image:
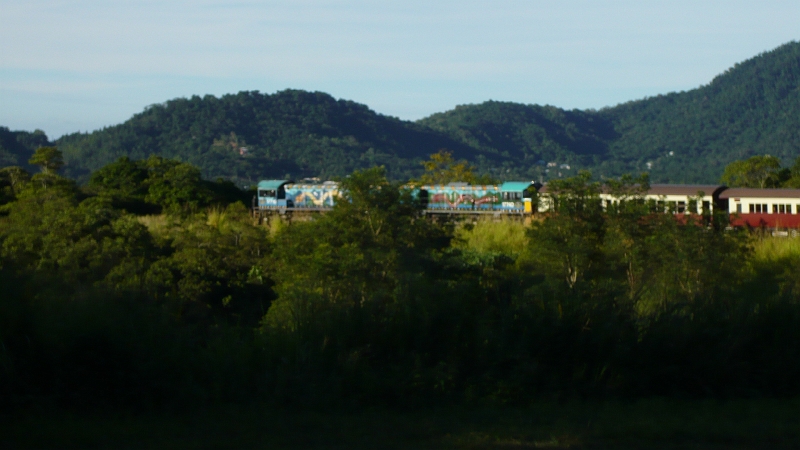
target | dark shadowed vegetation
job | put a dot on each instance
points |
(151, 287)
(152, 290)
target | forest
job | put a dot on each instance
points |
(150, 289)
(679, 137)
(150, 286)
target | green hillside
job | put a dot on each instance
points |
(531, 135)
(753, 108)
(249, 135)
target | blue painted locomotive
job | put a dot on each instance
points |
(511, 196)
(286, 194)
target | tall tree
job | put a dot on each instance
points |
(442, 168)
(756, 172)
(49, 159)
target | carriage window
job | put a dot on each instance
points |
(693, 206)
(673, 206)
(753, 208)
(739, 207)
(681, 207)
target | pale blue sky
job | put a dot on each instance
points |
(80, 65)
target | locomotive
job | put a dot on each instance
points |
(509, 197)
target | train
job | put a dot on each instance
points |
(508, 197)
(747, 207)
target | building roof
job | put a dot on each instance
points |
(684, 189)
(271, 184)
(760, 193)
(670, 189)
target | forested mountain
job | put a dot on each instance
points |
(247, 136)
(530, 135)
(751, 109)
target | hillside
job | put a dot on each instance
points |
(752, 108)
(531, 135)
(249, 135)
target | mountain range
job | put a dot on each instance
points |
(753, 108)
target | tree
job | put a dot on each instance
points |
(124, 179)
(172, 184)
(755, 172)
(354, 257)
(567, 243)
(441, 168)
(793, 176)
(49, 159)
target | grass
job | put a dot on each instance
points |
(157, 225)
(653, 423)
(776, 249)
(505, 236)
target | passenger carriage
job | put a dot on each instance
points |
(763, 208)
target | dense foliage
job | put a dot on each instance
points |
(16, 147)
(761, 172)
(250, 136)
(147, 290)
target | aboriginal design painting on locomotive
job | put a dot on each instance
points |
(285, 194)
(514, 196)
(511, 196)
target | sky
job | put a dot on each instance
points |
(80, 65)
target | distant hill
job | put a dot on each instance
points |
(530, 135)
(249, 136)
(752, 108)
